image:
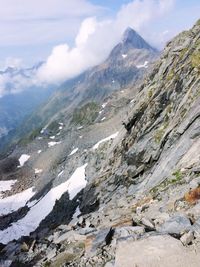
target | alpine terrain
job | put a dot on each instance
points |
(106, 173)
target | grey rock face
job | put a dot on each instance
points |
(154, 251)
(176, 225)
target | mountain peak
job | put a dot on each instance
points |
(128, 35)
(132, 39)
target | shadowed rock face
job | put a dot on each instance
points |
(8, 165)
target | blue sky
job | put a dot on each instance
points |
(30, 29)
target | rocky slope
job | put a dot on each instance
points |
(126, 196)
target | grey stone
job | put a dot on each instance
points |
(86, 230)
(147, 223)
(109, 264)
(155, 251)
(51, 253)
(194, 183)
(128, 231)
(100, 239)
(175, 225)
(70, 236)
(187, 238)
(64, 227)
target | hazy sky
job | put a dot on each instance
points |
(29, 29)
(70, 36)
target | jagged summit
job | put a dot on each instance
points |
(133, 39)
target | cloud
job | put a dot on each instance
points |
(12, 62)
(13, 83)
(35, 22)
(96, 38)
(93, 42)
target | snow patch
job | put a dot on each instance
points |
(60, 127)
(24, 158)
(145, 65)
(104, 140)
(44, 206)
(52, 137)
(124, 55)
(38, 171)
(60, 123)
(6, 185)
(39, 151)
(60, 173)
(104, 105)
(80, 127)
(50, 144)
(14, 202)
(73, 151)
(103, 118)
(132, 100)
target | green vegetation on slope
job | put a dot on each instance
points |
(86, 114)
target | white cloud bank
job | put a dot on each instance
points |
(95, 39)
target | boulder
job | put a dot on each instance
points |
(187, 238)
(177, 224)
(129, 231)
(152, 252)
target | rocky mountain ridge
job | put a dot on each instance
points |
(126, 65)
(141, 194)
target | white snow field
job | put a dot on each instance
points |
(44, 206)
(38, 171)
(73, 151)
(50, 144)
(6, 185)
(124, 55)
(145, 65)
(60, 173)
(104, 105)
(14, 202)
(113, 136)
(24, 158)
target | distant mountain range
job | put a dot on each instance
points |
(126, 65)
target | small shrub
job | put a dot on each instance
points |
(195, 59)
(170, 75)
(193, 196)
(178, 175)
(182, 53)
(160, 132)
